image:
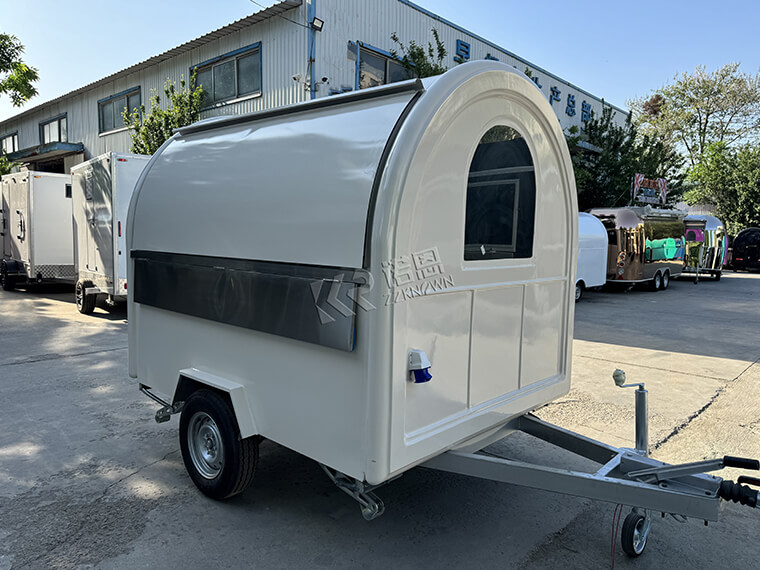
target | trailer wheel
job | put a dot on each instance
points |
(578, 291)
(85, 302)
(656, 282)
(7, 282)
(219, 462)
(633, 537)
(665, 283)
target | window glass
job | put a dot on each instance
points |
(119, 105)
(133, 102)
(371, 70)
(249, 74)
(501, 198)
(203, 79)
(50, 132)
(63, 130)
(107, 116)
(397, 72)
(9, 144)
(224, 81)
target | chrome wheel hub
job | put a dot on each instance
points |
(204, 441)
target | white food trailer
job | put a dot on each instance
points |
(101, 191)
(377, 280)
(592, 254)
(36, 229)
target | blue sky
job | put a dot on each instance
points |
(615, 50)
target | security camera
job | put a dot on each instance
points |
(297, 77)
(325, 80)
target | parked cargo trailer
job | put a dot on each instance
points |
(592, 254)
(101, 190)
(37, 229)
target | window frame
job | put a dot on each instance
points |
(57, 119)
(14, 138)
(101, 102)
(234, 55)
(376, 51)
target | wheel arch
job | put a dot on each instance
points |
(191, 380)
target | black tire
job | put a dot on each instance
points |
(665, 282)
(717, 275)
(7, 282)
(219, 462)
(85, 302)
(579, 288)
(631, 538)
(654, 285)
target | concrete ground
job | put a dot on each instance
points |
(89, 480)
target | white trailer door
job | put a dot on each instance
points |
(18, 209)
(125, 170)
(5, 218)
(98, 208)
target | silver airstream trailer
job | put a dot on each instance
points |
(101, 191)
(707, 236)
(377, 280)
(36, 229)
(646, 245)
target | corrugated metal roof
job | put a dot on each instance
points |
(274, 10)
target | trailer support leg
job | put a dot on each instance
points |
(371, 505)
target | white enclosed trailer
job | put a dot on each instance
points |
(377, 280)
(101, 191)
(592, 254)
(36, 229)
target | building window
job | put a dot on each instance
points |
(501, 198)
(378, 68)
(53, 130)
(9, 143)
(230, 76)
(111, 108)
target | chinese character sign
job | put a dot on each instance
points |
(554, 95)
(585, 111)
(462, 52)
(570, 110)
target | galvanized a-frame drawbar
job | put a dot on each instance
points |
(625, 477)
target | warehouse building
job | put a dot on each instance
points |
(293, 51)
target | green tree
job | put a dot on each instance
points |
(16, 77)
(606, 156)
(702, 108)
(421, 61)
(5, 164)
(729, 179)
(603, 161)
(150, 131)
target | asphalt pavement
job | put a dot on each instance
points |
(89, 480)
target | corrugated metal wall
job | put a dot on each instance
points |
(284, 49)
(373, 21)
